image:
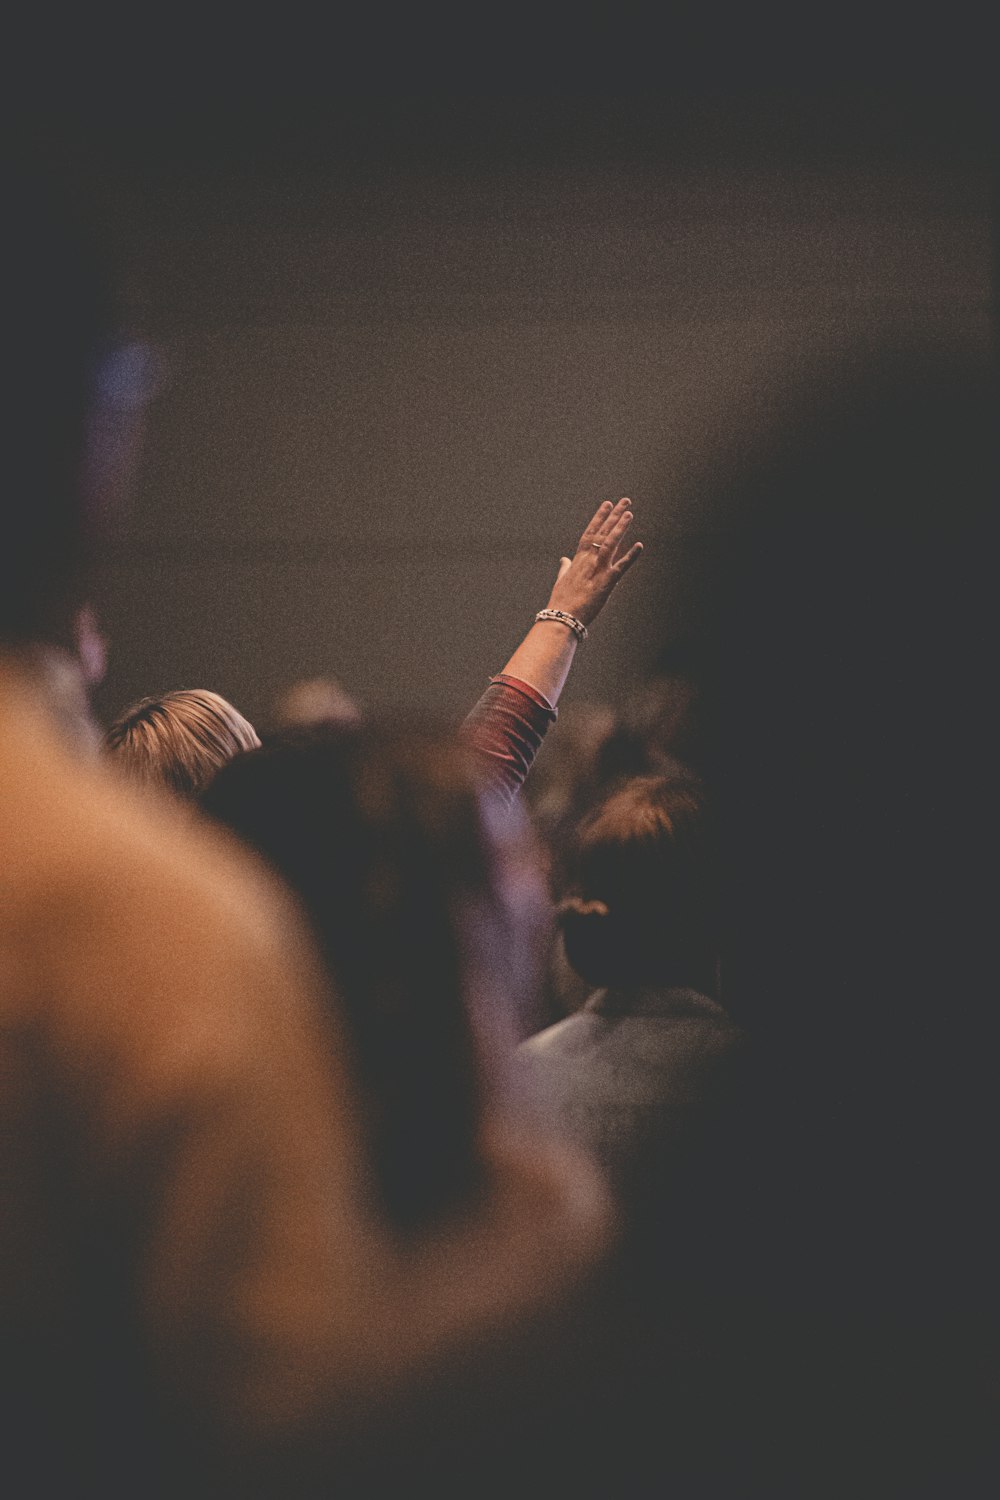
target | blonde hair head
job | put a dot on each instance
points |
(178, 741)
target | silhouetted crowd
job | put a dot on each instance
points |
(381, 1109)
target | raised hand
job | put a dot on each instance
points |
(586, 579)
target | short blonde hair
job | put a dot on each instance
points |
(178, 741)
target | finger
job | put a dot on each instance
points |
(624, 563)
(612, 540)
(564, 563)
(593, 528)
(612, 518)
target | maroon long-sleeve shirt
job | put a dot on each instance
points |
(505, 729)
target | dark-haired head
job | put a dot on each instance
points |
(848, 699)
(384, 837)
(641, 907)
(851, 723)
(73, 394)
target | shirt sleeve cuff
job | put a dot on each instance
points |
(539, 699)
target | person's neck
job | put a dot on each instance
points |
(45, 682)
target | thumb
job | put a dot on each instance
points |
(564, 563)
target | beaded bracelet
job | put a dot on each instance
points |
(577, 626)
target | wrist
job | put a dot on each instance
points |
(584, 610)
(563, 618)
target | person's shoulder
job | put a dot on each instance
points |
(72, 831)
(103, 888)
(562, 1037)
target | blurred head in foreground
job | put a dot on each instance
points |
(848, 692)
(849, 719)
(179, 741)
(640, 909)
(74, 403)
(427, 920)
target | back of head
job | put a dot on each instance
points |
(313, 700)
(641, 903)
(848, 704)
(60, 324)
(849, 718)
(178, 742)
(383, 837)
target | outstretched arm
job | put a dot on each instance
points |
(583, 585)
(508, 724)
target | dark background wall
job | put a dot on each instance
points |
(408, 345)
